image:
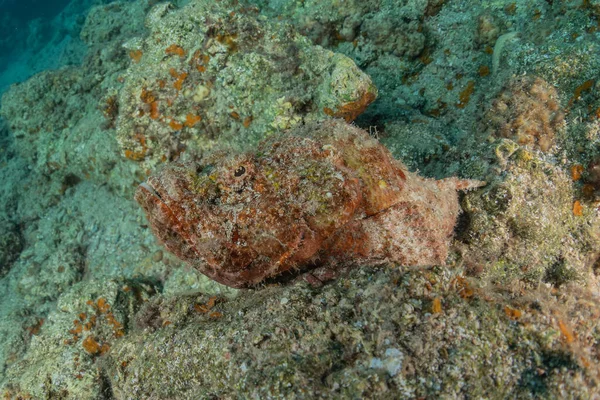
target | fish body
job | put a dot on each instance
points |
(325, 194)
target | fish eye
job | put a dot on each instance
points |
(241, 170)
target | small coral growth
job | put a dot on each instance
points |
(90, 324)
(206, 81)
(527, 111)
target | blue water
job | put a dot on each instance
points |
(32, 32)
(27, 10)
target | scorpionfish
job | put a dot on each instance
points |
(320, 196)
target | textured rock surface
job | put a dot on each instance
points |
(388, 39)
(528, 111)
(517, 232)
(10, 244)
(373, 334)
(61, 362)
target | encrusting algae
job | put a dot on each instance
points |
(323, 194)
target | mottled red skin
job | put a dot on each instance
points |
(324, 194)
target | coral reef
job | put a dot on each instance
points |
(325, 193)
(94, 308)
(114, 21)
(387, 39)
(214, 71)
(65, 346)
(55, 115)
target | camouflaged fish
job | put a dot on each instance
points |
(324, 195)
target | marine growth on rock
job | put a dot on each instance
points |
(218, 72)
(527, 111)
(323, 194)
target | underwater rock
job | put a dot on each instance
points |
(114, 21)
(51, 278)
(369, 335)
(84, 322)
(388, 39)
(215, 71)
(319, 193)
(529, 225)
(359, 28)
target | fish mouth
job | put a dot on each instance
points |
(150, 198)
(150, 190)
(153, 196)
(167, 221)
